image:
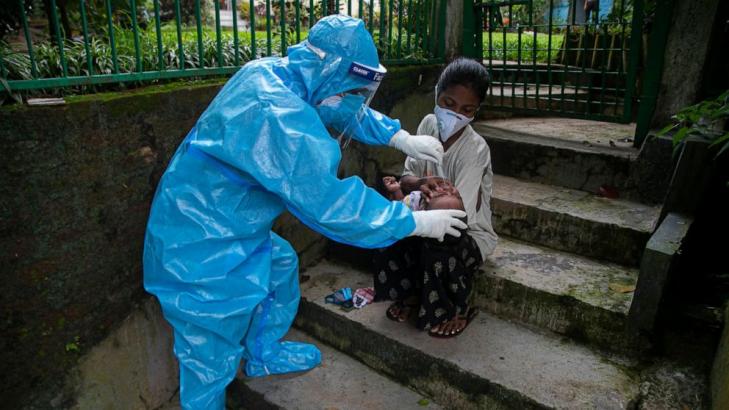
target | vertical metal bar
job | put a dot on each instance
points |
(158, 30)
(574, 11)
(218, 34)
(589, 75)
(410, 24)
(549, 53)
(519, 30)
(198, 26)
(620, 70)
(372, 15)
(441, 28)
(526, 81)
(651, 79)
(29, 39)
(535, 46)
(602, 73)
(337, 7)
(503, 62)
(178, 22)
(111, 37)
(84, 28)
(491, 46)
(297, 4)
(252, 12)
(399, 28)
(135, 29)
(360, 11)
(432, 26)
(349, 7)
(268, 27)
(635, 50)
(416, 23)
(59, 38)
(282, 5)
(389, 28)
(565, 67)
(383, 17)
(236, 59)
(324, 8)
(583, 57)
(311, 13)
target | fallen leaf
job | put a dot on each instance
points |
(621, 288)
(423, 402)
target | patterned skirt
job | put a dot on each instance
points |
(438, 274)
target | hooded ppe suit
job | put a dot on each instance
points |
(226, 283)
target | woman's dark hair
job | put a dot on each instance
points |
(468, 73)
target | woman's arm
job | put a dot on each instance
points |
(468, 180)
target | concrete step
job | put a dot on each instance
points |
(571, 220)
(340, 382)
(576, 154)
(494, 364)
(579, 297)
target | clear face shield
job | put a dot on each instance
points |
(344, 113)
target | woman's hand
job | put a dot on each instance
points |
(435, 186)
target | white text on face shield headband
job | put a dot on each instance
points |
(449, 122)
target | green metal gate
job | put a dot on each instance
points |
(140, 41)
(574, 58)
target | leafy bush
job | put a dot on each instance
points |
(708, 120)
(510, 49)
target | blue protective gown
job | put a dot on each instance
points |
(226, 283)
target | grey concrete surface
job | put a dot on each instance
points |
(585, 299)
(493, 364)
(575, 221)
(340, 382)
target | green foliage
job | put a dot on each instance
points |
(708, 120)
(48, 58)
(510, 49)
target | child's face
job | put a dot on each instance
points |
(445, 200)
(460, 99)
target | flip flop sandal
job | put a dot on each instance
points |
(400, 305)
(362, 297)
(342, 297)
(472, 313)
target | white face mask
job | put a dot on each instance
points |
(449, 122)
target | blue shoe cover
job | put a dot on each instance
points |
(291, 357)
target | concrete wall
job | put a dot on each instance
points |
(720, 372)
(685, 57)
(77, 183)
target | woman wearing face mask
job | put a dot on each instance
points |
(432, 279)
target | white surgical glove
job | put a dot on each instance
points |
(438, 223)
(418, 146)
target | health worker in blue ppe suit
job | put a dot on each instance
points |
(226, 283)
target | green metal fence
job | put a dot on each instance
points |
(575, 58)
(129, 41)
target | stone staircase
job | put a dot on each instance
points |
(554, 296)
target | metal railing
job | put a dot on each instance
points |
(574, 58)
(131, 41)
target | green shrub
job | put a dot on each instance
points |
(510, 49)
